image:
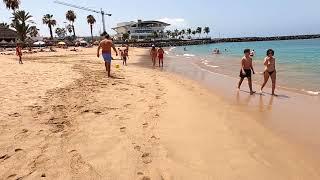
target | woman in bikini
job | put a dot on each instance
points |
(153, 54)
(270, 70)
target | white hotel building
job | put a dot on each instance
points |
(140, 30)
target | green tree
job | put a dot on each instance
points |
(33, 31)
(125, 36)
(91, 20)
(168, 32)
(4, 25)
(21, 21)
(12, 4)
(206, 30)
(50, 22)
(189, 31)
(194, 33)
(71, 16)
(69, 28)
(155, 34)
(61, 32)
(199, 31)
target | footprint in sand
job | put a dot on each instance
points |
(86, 111)
(139, 173)
(137, 148)
(146, 158)
(97, 112)
(4, 157)
(11, 176)
(17, 150)
(145, 125)
(146, 178)
(123, 129)
(43, 175)
(14, 114)
(22, 134)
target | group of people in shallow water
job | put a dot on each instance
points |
(157, 54)
(269, 72)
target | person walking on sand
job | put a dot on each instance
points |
(125, 57)
(160, 56)
(19, 53)
(106, 46)
(270, 71)
(246, 70)
(153, 54)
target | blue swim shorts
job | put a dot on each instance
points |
(107, 57)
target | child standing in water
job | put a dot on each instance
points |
(246, 70)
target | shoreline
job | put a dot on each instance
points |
(214, 63)
(287, 100)
(144, 124)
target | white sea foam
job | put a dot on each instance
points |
(189, 55)
(314, 93)
(172, 48)
(206, 62)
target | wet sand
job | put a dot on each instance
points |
(62, 118)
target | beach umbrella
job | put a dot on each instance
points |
(83, 42)
(12, 42)
(3, 42)
(39, 43)
(61, 43)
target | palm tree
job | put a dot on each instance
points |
(206, 30)
(48, 20)
(183, 31)
(69, 28)
(91, 20)
(71, 16)
(189, 31)
(125, 36)
(12, 4)
(168, 32)
(194, 33)
(21, 21)
(33, 31)
(4, 25)
(155, 34)
(199, 31)
(61, 32)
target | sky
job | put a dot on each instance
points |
(226, 18)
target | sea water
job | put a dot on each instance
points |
(298, 61)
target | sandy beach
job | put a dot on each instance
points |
(62, 118)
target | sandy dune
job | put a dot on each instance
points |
(62, 118)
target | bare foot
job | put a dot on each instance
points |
(252, 92)
(273, 94)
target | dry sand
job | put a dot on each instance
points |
(62, 118)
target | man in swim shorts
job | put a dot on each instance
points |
(160, 56)
(106, 46)
(246, 70)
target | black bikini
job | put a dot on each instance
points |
(270, 73)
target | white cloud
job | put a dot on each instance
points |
(176, 23)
